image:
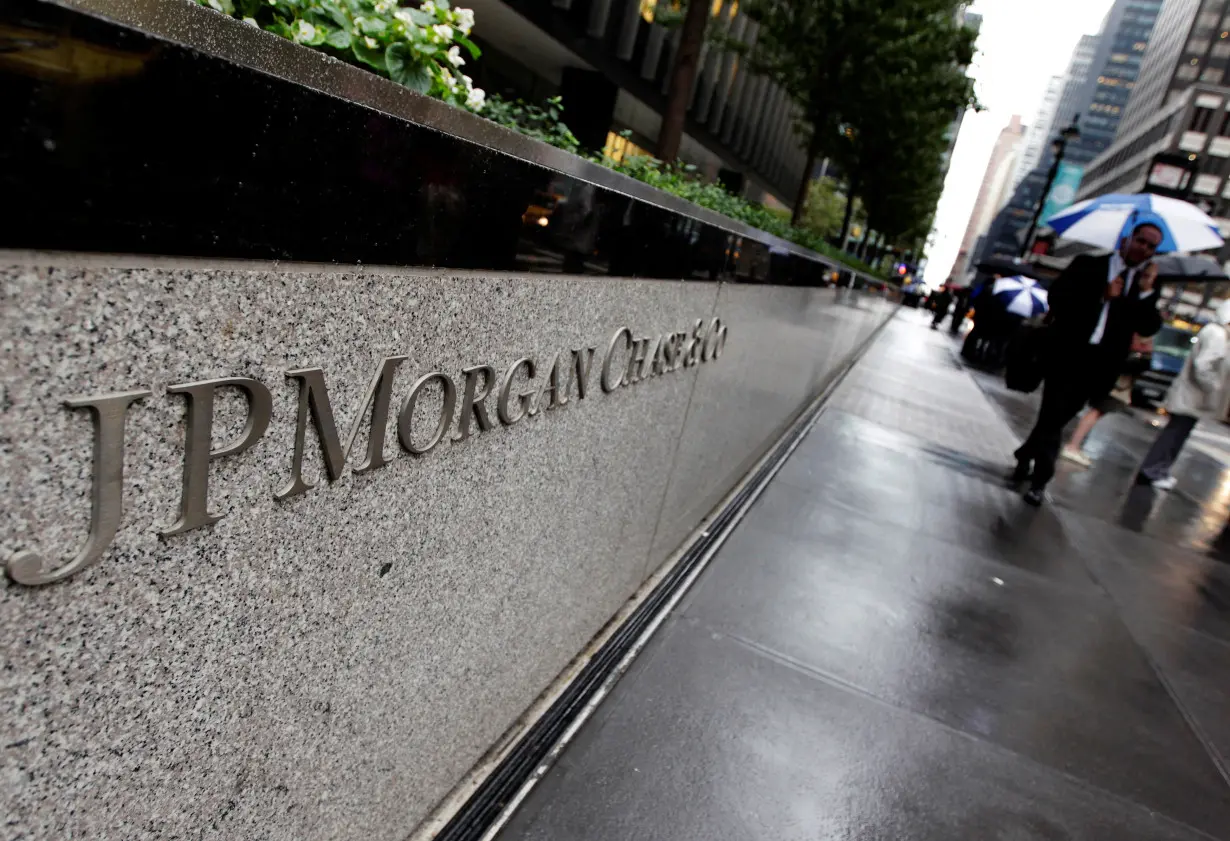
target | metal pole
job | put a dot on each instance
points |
(1042, 199)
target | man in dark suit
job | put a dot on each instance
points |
(1096, 306)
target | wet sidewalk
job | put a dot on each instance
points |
(893, 647)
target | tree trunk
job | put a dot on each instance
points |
(687, 58)
(851, 189)
(862, 246)
(800, 200)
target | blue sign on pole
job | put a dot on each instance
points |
(1063, 191)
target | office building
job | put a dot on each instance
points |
(994, 191)
(611, 63)
(1038, 134)
(1100, 79)
(1176, 131)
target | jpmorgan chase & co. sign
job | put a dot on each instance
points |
(469, 404)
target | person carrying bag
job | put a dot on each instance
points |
(1196, 394)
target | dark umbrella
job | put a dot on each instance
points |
(1174, 269)
(1011, 267)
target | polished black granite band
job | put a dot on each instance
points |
(161, 127)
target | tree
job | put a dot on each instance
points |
(838, 58)
(825, 205)
(683, 75)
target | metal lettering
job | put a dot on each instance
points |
(719, 343)
(523, 399)
(607, 385)
(406, 418)
(313, 398)
(677, 350)
(194, 498)
(636, 362)
(476, 404)
(669, 346)
(654, 360)
(379, 394)
(109, 412)
(695, 344)
(314, 402)
(582, 362)
(551, 386)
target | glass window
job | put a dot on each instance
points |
(1187, 73)
(1198, 46)
(1200, 119)
(1221, 49)
(1212, 75)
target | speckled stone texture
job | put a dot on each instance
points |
(330, 666)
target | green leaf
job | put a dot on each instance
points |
(442, 4)
(374, 26)
(337, 14)
(371, 56)
(421, 18)
(469, 45)
(404, 70)
(340, 40)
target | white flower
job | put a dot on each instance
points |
(304, 31)
(252, 22)
(383, 6)
(444, 31)
(454, 56)
(371, 42)
(428, 7)
(448, 80)
(403, 15)
(476, 98)
(465, 20)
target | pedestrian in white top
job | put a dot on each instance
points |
(1196, 394)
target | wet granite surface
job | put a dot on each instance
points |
(892, 645)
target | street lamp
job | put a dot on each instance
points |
(1059, 145)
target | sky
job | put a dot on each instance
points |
(1021, 45)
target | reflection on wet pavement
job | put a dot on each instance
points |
(1194, 515)
(893, 646)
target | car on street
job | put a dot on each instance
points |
(1171, 347)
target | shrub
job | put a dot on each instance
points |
(416, 47)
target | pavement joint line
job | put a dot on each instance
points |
(836, 682)
(774, 459)
(1094, 590)
(1223, 769)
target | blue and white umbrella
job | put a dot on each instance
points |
(1104, 221)
(1020, 296)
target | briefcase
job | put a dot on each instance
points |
(1026, 359)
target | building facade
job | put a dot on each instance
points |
(1100, 80)
(1038, 134)
(1179, 112)
(611, 63)
(994, 191)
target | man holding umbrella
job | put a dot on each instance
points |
(1096, 306)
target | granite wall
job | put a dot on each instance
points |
(329, 665)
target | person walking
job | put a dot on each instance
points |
(961, 307)
(1196, 394)
(1096, 305)
(940, 302)
(1074, 451)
